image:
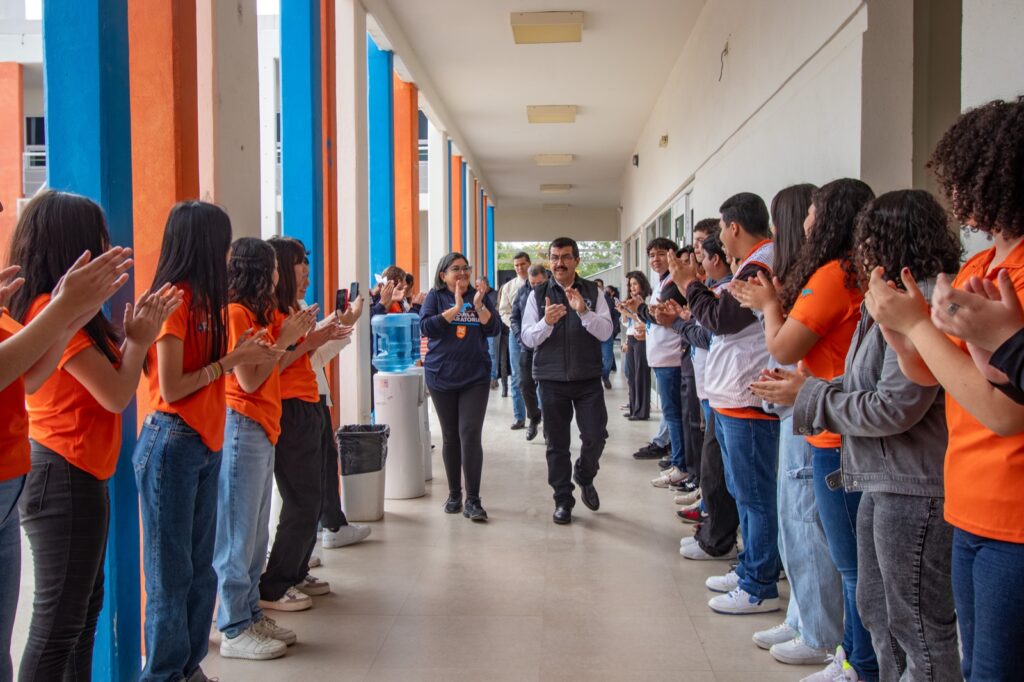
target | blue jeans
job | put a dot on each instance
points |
(10, 568)
(518, 405)
(750, 452)
(661, 437)
(177, 478)
(669, 387)
(814, 582)
(492, 350)
(838, 511)
(607, 357)
(244, 490)
(989, 605)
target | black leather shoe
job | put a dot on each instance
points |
(588, 493)
(518, 425)
(531, 430)
(453, 505)
(504, 391)
(474, 511)
(634, 418)
(562, 515)
(607, 383)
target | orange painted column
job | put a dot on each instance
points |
(329, 153)
(457, 203)
(486, 260)
(407, 177)
(12, 145)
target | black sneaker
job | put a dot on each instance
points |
(648, 451)
(665, 463)
(454, 503)
(474, 511)
(687, 486)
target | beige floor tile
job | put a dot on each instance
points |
(440, 642)
(728, 645)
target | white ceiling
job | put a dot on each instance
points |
(486, 82)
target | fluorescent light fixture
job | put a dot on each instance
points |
(551, 113)
(553, 159)
(555, 189)
(556, 207)
(530, 28)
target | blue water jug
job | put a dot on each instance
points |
(396, 338)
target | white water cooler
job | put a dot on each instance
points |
(397, 403)
(428, 453)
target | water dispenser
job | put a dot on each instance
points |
(397, 341)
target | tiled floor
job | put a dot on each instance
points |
(435, 597)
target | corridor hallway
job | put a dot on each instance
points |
(435, 597)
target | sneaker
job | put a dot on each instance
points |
(687, 486)
(668, 477)
(740, 603)
(649, 451)
(766, 639)
(474, 510)
(687, 540)
(686, 499)
(344, 536)
(314, 559)
(723, 583)
(665, 463)
(798, 652)
(293, 600)
(251, 645)
(695, 552)
(314, 587)
(696, 504)
(607, 383)
(837, 670)
(269, 627)
(691, 515)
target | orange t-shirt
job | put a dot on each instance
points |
(263, 405)
(830, 309)
(206, 409)
(985, 472)
(14, 449)
(65, 417)
(298, 380)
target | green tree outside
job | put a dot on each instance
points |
(594, 256)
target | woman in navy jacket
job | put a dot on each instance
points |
(457, 320)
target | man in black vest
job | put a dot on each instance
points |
(565, 321)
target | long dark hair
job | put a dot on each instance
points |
(641, 279)
(53, 231)
(251, 277)
(789, 208)
(290, 252)
(836, 206)
(442, 266)
(194, 251)
(906, 228)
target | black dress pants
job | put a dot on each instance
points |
(331, 516)
(717, 534)
(693, 434)
(561, 399)
(527, 385)
(640, 379)
(65, 513)
(298, 470)
(504, 369)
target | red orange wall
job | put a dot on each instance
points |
(12, 144)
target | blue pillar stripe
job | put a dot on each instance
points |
(381, 154)
(301, 135)
(448, 184)
(492, 254)
(466, 198)
(88, 126)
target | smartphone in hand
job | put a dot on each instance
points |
(353, 291)
(341, 301)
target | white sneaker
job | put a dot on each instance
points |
(251, 645)
(838, 670)
(740, 603)
(668, 477)
(687, 540)
(723, 583)
(269, 627)
(686, 499)
(293, 600)
(695, 552)
(346, 535)
(798, 652)
(314, 587)
(690, 507)
(766, 639)
(314, 559)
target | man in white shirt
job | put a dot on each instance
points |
(506, 297)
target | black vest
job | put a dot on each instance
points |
(571, 353)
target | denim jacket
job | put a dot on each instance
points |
(894, 431)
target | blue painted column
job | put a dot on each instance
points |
(492, 253)
(467, 197)
(380, 132)
(302, 135)
(448, 184)
(88, 129)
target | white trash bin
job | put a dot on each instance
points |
(397, 404)
(362, 490)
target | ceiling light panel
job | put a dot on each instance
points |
(551, 113)
(555, 189)
(553, 159)
(531, 28)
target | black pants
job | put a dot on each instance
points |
(331, 516)
(461, 414)
(717, 534)
(65, 512)
(527, 385)
(504, 366)
(693, 433)
(298, 470)
(639, 379)
(561, 399)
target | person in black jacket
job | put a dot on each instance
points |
(457, 368)
(565, 321)
(527, 384)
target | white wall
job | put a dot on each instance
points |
(787, 108)
(532, 224)
(993, 51)
(268, 51)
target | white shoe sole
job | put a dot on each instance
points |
(227, 652)
(314, 591)
(767, 644)
(720, 590)
(766, 606)
(286, 606)
(701, 555)
(819, 659)
(332, 543)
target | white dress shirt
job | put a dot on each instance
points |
(536, 329)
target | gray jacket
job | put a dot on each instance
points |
(894, 431)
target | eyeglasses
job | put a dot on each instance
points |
(564, 258)
(457, 269)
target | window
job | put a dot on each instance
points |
(665, 224)
(35, 131)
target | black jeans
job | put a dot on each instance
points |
(561, 399)
(693, 434)
(65, 512)
(298, 469)
(639, 379)
(717, 534)
(527, 385)
(331, 516)
(504, 370)
(461, 414)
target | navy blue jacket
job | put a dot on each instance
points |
(456, 359)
